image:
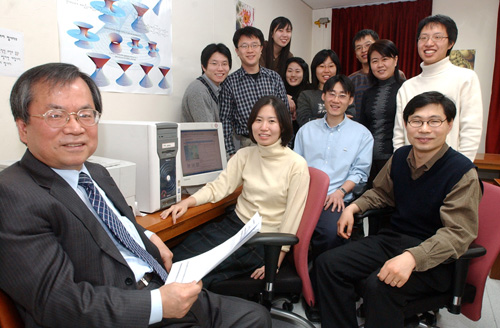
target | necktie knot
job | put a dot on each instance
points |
(84, 180)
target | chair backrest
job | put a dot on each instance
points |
(489, 229)
(9, 317)
(318, 188)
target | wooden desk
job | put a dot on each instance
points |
(193, 218)
(488, 162)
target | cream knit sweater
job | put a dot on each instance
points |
(275, 183)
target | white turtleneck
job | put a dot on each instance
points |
(459, 84)
(275, 183)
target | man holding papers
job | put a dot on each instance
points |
(71, 251)
(275, 184)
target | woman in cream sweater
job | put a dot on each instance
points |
(275, 183)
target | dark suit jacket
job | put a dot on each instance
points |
(57, 262)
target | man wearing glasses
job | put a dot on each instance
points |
(342, 149)
(436, 36)
(435, 191)
(72, 253)
(361, 43)
(244, 87)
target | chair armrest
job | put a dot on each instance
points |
(475, 250)
(273, 239)
(460, 275)
(272, 247)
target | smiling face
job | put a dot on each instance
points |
(266, 129)
(282, 36)
(294, 74)
(336, 103)
(428, 140)
(324, 71)
(67, 147)
(433, 51)
(249, 50)
(217, 68)
(361, 47)
(382, 67)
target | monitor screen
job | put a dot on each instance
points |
(202, 155)
(200, 152)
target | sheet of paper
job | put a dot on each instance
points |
(197, 267)
(11, 52)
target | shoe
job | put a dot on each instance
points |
(312, 312)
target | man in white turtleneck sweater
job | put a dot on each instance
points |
(436, 37)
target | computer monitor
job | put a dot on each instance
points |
(202, 154)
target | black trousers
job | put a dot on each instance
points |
(325, 234)
(211, 310)
(342, 271)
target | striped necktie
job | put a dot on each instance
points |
(116, 227)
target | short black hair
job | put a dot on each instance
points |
(282, 114)
(361, 34)
(427, 98)
(53, 74)
(248, 31)
(447, 22)
(213, 48)
(318, 59)
(344, 81)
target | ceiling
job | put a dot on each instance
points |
(321, 4)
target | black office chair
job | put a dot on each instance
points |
(263, 291)
(293, 278)
(471, 270)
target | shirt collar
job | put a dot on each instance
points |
(211, 83)
(427, 166)
(338, 126)
(436, 68)
(273, 150)
(71, 176)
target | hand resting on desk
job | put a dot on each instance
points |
(177, 210)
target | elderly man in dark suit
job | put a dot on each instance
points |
(71, 252)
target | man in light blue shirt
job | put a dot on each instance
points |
(342, 149)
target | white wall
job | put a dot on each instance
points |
(477, 27)
(321, 36)
(195, 23)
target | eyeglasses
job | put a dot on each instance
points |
(434, 123)
(363, 47)
(434, 38)
(58, 118)
(246, 46)
(341, 96)
(221, 64)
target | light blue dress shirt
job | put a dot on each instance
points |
(137, 265)
(344, 152)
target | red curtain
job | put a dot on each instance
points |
(492, 132)
(394, 21)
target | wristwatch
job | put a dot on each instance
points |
(343, 191)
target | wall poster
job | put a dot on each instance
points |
(245, 15)
(124, 45)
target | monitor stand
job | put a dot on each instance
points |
(191, 189)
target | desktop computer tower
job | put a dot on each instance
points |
(153, 147)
